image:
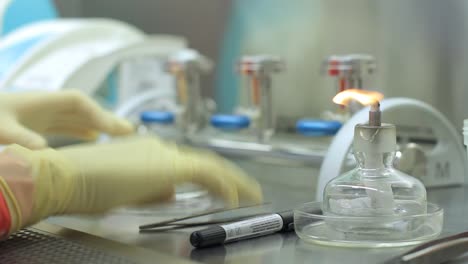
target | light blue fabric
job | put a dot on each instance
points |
(23, 12)
(227, 81)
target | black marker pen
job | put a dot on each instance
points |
(245, 229)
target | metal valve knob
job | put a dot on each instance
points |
(350, 69)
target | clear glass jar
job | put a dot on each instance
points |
(374, 188)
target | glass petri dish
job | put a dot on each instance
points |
(350, 231)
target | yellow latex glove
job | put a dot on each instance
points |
(95, 178)
(25, 116)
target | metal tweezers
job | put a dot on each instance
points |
(435, 251)
(173, 224)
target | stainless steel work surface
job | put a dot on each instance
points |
(50, 244)
(277, 248)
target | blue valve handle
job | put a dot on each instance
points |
(315, 127)
(158, 117)
(230, 122)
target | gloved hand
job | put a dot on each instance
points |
(25, 116)
(95, 178)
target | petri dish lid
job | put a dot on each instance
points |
(315, 127)
(230, 122)
(159, 117)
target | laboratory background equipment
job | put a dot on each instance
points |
(434, 58)
(106, 58)
(426, 65)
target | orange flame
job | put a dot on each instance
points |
(364, 97)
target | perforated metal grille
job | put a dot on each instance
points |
(30, 247)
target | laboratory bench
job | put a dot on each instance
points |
(122, 226)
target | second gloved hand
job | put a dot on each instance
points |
(95, 178)
(27, 116)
